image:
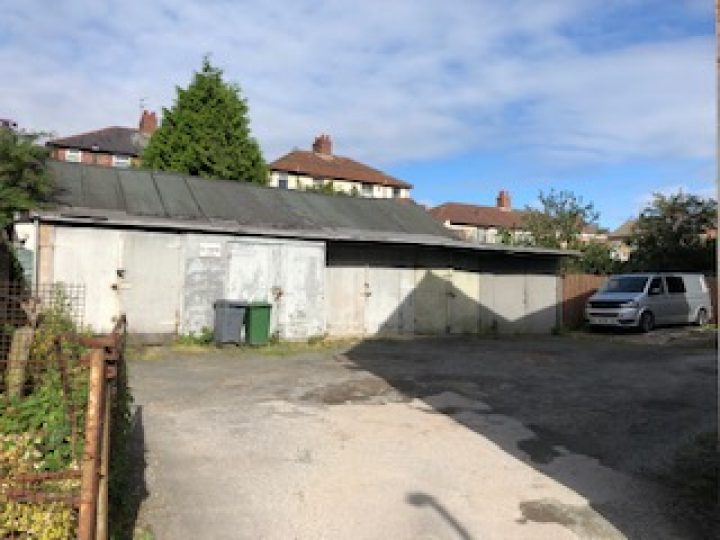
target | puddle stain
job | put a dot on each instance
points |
(582, 520)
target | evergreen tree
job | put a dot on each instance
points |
(207, 132)
(24, 180)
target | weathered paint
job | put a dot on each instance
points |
(90, 257)
(464, 302)
(168, 282)
(204, 273)
(345, 300)
(150, 299)
(432, 291)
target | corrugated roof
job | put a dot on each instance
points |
(102, 196)
(174, 196)
(332, 166)
(479, 216)
(115, 140)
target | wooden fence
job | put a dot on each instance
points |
(577, 288)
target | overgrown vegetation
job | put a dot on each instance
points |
(123, 499)
(204, 337)
(24, 180)
(37, 431)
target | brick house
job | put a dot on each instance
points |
(109, 147)
(319, 168)
(483, 224)
(490, 224)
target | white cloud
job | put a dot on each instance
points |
(391, 81)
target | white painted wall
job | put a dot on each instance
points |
(365, 301)
(90, 256)
(167, 283)
(303, 181)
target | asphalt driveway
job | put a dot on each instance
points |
(428, 438)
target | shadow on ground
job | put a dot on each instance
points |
(125, 521)
(600, 417)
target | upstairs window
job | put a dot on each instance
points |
(396, 192)
(74, 156)
(283, 180)
(367, 190)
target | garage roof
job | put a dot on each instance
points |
(147, 199)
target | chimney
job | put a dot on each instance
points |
(148, 123)
(322, 145)
(503, 200)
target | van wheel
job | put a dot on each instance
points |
(647, 322)
(702, 317)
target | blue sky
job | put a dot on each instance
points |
(611, 99)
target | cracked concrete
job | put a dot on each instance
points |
(416, 439)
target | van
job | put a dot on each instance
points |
(644, 301)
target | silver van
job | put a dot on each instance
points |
(646, 300)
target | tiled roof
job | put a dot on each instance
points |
(625, 230)
(479, 216)
(115, 140)
(332, 166)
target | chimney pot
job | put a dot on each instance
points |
(322, 145)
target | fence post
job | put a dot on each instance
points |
(87, 521)
(102, 504)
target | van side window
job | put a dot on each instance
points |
(657, 283)
(675, 284)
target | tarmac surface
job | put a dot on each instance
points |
(551, 437)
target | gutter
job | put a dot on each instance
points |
(93, 218)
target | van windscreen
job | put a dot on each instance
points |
(625, 284)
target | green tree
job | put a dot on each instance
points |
(672, 234)
(24, 180)
(559, 221)
(207, 132)
(596, 259)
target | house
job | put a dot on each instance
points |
(163, 247)
(108, 147)
(620, 240)
(496, 224)
(319, 168)
(483, 224)
(6, 123)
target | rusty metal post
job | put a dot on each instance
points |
(102, 505)
(87, 520)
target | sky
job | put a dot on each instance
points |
(611, 99)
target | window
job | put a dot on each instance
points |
(656, 285)
(318, 183)
(73, 155)
(675, 284)
(625, 284)
(367, 190)
(396, 192)
(283, 180)
(121, 161)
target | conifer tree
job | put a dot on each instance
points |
(207, 132)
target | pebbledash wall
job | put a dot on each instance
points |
(166, 282)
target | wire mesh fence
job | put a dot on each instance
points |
(43, 400)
